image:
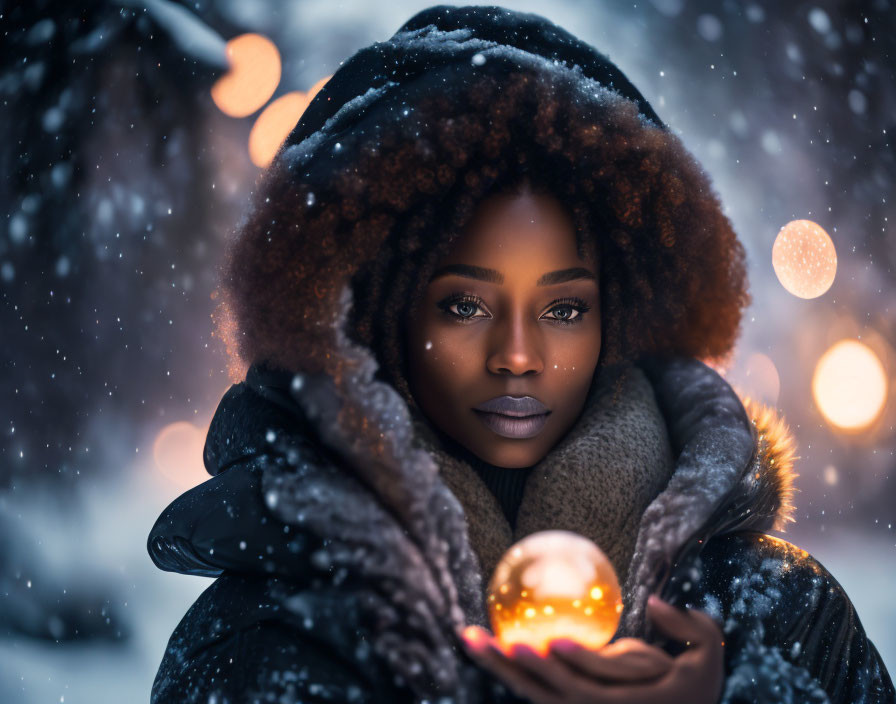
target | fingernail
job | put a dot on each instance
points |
(563, 646)
(521, 649)
(471, 638)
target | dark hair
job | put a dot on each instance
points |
(672, 271)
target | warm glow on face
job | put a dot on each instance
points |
(804, 259)
(513, 344)
(276, 122)
(177, 452)
(554, 584)
(253, 76)
(850, 385)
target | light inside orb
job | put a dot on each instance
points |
(253, 76)
(554, 584)
(850, 385)
(804, 259)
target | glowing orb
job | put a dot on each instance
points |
(554, 584)
(253, 76)
(804, 259)
(177, 452)
(850, 385)
(275, 123)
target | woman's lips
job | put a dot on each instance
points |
(513, 406)
(513, 427)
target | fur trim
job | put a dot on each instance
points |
(727, 477)
(776, 453)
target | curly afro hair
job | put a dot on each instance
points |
(385, 201)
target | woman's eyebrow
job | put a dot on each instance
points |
(471, 272)
(562, 275)
(496, 277)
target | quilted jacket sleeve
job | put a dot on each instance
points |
(791, 632)
(237, 644)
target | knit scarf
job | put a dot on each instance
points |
(596, 481)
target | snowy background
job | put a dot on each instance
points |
(121, 180)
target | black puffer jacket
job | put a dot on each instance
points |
(326, 594)
(344, 547)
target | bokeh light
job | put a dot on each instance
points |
(554, 584)
(765, 383)
(850, 385)
(275, 123)
(757, 378)
(831, 475)
(804, 259)
(253, 76)
(177, 452)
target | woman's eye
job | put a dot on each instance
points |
(568, 312)
(462, 309)
(465, 309)
(565, 312)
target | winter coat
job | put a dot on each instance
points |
(335, 584)
(348, 544)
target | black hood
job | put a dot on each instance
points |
(471, 30)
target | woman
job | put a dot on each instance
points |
(477, 221)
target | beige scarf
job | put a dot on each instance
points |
(596, 481)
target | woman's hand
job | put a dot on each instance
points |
(628, 671)
(571, 672)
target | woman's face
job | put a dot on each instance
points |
(512, 311)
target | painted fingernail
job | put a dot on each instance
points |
(469, 634)
(521, 650)
(473, 639)
(563, 646)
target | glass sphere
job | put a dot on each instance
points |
(554, 584)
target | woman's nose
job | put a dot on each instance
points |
(515, 349)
